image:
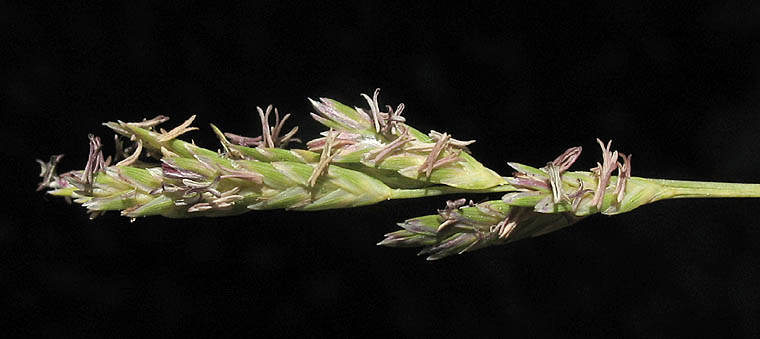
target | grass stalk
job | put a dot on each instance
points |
(678, 189)
(433, 191)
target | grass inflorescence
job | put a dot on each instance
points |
(365, 157)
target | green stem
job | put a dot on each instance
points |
(706, 189)
(432, 191)
(673, 189)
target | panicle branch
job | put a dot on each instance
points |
(546, 199)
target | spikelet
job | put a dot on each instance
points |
(206, 186)
(462, 227)
(193, 181)
(383, 141)
(547, 199)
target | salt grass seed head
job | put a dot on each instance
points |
(192, 181)
(185, 187)
(546, 199)
(462, 227)
(553, 189)
(382, 140)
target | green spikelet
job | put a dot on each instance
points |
(381, 140)
(545, 200)
(461, 228)
(186, 187)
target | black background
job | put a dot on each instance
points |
(676, 85)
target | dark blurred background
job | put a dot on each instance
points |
(677, 85)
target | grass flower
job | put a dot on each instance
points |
(365, 157)
(189, 180)
(383, 140)
(547, 199)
